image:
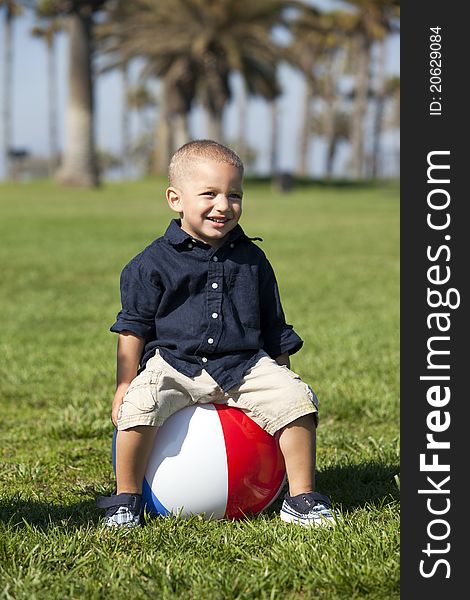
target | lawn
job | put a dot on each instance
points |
(336, 254)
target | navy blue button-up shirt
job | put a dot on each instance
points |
(204, 307)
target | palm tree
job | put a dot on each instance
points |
(391, 119)
(119, 41)
(302, 53)
(79, 164)
(371, 20)
(142, 100)
(192, 46)
(336, 121)
(48, 31)
(335, 126)
(379, 97)
(315, 50)
(392, 93)
(11, 10)
(274, 138)
(385, 89)
(110, 31)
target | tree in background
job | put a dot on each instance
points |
(192, 47)
(79, 165)
(391, 121)
(317, 51)
(392, 94)
(303, 53)
(384, 89)
(370, 22)
(47, 30)
(11, 9)
(137, 30)
(335, 127)
(325, 47)
(109, 37)
(142, 100)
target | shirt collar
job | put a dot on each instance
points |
(176, 236)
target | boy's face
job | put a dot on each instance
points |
(209, 199)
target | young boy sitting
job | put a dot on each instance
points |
(202, 321)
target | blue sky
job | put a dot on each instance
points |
(29, 127)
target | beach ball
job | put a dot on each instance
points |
(212, 460)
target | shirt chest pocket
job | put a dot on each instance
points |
(244, 296)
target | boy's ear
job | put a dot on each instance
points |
(173, 197)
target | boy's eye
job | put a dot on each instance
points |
(233, 196)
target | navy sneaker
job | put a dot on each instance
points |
(309, 510)
(122, 510)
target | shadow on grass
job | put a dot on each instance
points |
(365, 483)
(350, 486)
(18, 512)
(355, 486)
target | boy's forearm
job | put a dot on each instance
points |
(283, 359)
(129, 353)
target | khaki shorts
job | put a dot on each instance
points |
(272, 395)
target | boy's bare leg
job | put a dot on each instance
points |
(133, 448)
(298, 446)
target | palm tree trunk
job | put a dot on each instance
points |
(305, 127)
(274, 139)
(79, 166)
(162, 151)
(180, 131)
(360, 107)
(379, 109)
(331, 155)
(329, 130)
(52, 102)
(333, 71)
(125, 135)
(7, 91)
(242, 120)
(214, 126)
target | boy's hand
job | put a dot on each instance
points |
(129, 352)
(283, 360)
(117, 401)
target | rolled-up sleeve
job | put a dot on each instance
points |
(278, 337)
(140, 297)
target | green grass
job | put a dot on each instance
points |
(335, 252)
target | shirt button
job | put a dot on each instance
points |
(215, 285)
(204, 359)
(215, 258)
(190, 245)
(232, 245)
(215, 315)
(210, 341)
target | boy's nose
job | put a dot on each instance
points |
(222, 203)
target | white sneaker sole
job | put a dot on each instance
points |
(320, 522)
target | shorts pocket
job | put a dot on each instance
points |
(310, 393)
(142, 393)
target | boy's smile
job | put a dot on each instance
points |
(209, 199)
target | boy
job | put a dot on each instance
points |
(202, 318)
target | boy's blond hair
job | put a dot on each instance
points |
(197, 150)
